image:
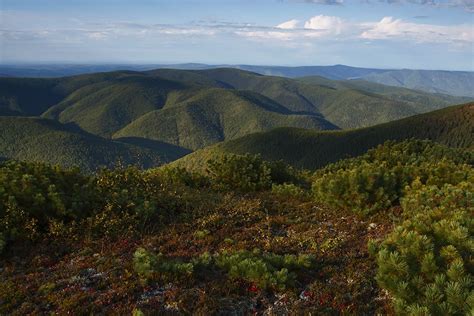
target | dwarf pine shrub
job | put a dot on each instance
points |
(266, 270)
(33, 194)
(148, 265)
(426, 262)
(377, 180)
(240, 172)
(288, 190)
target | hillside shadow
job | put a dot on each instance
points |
(169, 150)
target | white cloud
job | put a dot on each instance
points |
(294, 32)
(328, 24)
(288, 25)
(390, 28)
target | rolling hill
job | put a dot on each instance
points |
(457, 83)
(424, 101)
(460, 83)
(197, 108)
(344, 106)
(453, 126)
(214, 115)
(104, 107)
(43, 140)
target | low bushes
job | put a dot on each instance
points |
(426, 262)
(31, 194)
(245, 173)
(265, 270)
(248, 173)
(40, 200)
(377, 180)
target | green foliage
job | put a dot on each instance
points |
(245, 173)
(426, 262)
(177, 110)
(288, 190)
(266, 270)
(42, 140)
(31, 194)
(207, 122)
(333, 101)
(137, 312)
(311, 149)
(39, 200)
(180, 176)
(44, 191)
(249, 173)
(448, 197)
(149, 266)
(376, 180)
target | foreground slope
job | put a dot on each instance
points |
(453, 126)
(42, 140)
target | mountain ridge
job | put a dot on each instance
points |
(310, 149)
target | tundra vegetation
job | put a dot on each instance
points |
(386, 232)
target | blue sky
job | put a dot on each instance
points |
(423, 34)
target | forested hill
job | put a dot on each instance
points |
(453, 126)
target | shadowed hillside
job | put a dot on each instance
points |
(103, 108)
(42, 140)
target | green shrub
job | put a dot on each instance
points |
(33, 194)
(200, 234)
(428, 197)
(264, 269)
(150, 266)
(426, 262)
(45, 192)
(282, 173)
(142, 194)
(180, 176)
(378, 179)
(240, 172)
(249, 173)
(288, 190)
(363, 189)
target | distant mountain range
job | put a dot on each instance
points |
(153, 117)
(310, 149)
(457, 83)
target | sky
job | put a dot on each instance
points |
(416, 34)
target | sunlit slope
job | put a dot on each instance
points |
(453, 126)
(214, 115)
